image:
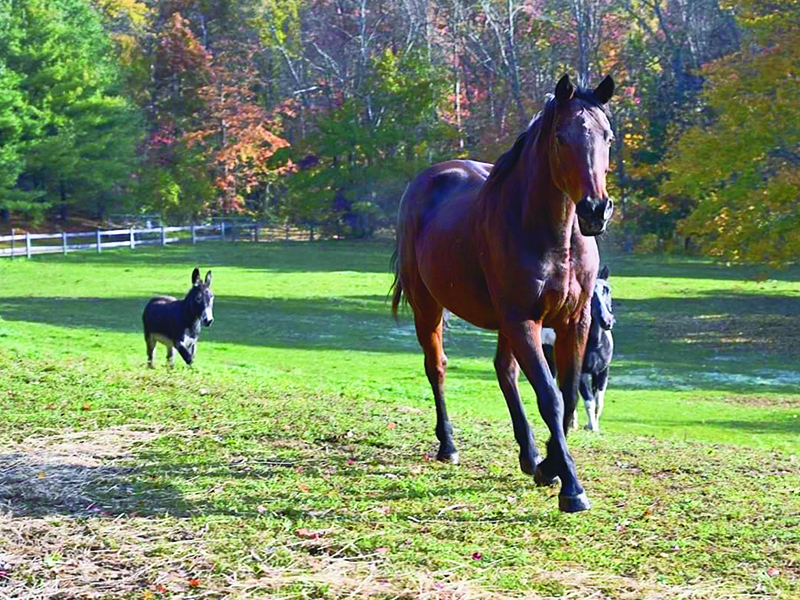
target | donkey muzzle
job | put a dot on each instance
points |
(593, 215)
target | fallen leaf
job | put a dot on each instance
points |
(382, 550)
(302, 487)
(306, 534)
(391, 425)
(477, 556)
(773, 572)
(194, 583)
(261, 509)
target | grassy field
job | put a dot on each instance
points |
(293, 460)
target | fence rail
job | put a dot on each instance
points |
(27, 244)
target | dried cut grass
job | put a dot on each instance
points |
(56, 542)
(62, 474)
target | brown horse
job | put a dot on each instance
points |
(504, 248)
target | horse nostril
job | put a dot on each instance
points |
(584, 209)
(609, 208)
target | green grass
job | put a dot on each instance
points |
(292, 461)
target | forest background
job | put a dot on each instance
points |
(316, 113)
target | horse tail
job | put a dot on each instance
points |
(397, 284)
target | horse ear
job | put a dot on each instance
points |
(208, 279)
(195, 276)
(605, 90)
(604, 272)
(564, 90)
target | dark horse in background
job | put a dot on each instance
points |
(509, 247)
(176, 323)
(598, 354)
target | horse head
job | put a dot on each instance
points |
(579, 149)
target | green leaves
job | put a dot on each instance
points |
(64, 126)
(742, 165)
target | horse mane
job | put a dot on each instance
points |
(540, 127)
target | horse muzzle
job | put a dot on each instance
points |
(593, 215)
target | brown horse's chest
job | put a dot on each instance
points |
(562, 298)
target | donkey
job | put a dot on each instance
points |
(176, 323)
(599, 350)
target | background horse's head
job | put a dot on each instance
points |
(580, 141)
(200, 298)
(602, 310)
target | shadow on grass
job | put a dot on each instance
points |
(666, 266)
(717, 341)
(350, 323)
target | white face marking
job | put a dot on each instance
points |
(208, 314)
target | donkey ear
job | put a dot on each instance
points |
(195, 276)
(564, 90)
(605, 90)
(604, 272)
(208, 279)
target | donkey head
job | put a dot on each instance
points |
(602, 310)
(200, 298)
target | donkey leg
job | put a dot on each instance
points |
(185, 354)
(602, 384)
(170, 357)
(151, 350)
(507, 369)
(429, 334)
(589, 401)
(525, 338)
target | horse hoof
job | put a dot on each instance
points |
(543, 479)
(571, 504)
(448, 457)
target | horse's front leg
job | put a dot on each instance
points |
(569, 350)
(507, 369)
(525, 338)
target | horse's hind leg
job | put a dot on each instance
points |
(507, 369)
(429, 327)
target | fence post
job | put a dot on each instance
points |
(97, 239)
(133, 238)
(163, 236)
(194, 235)
(233, 232)
(255, 235)
(13, 237)
(222, 230)
(64, 242)
(28, 244)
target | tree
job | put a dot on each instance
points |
(741, 165)
(75, 132)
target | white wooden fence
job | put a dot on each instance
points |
(28, 244)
